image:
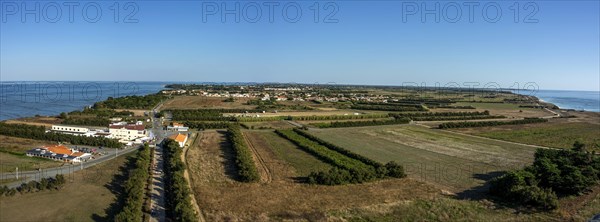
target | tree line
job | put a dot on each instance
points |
(337, 124)
(135, 188)
(100, 121)
(246, 168)
(553, 174)
(207, 125)
(178, 200)
(435, 114)
(39, 133)
(347, 168)
(47, 183)
(338, 117)
(130, 102)
(388, 108)
(440, 118)
(451, 125)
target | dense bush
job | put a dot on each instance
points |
(131, 102)
(49, 183)
(259, 119)
(247, 171)
(178, 195)
(450, 125)
(554, 173)
(134, 188)
(200, 115)
(86, 121)
(39, 133)
(99, 112)
(362, 123)
(207, 125)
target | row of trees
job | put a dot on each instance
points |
(247, 171)
(39, 133)
(200, 115)
(436, 114)
(131, 102)
(416, 105)
(260, 119)
(337, 117)
(451, 125)
(135, 187)
(178, 194)
(99, 112)
(348, 167)
(388, 108)
(337, 124)
(553, 174)
(49, 183)
(440, 118)
(207, 125)
(100, 121)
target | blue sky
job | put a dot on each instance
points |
(370, 44)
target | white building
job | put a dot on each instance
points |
(73, 130)
(127, 132)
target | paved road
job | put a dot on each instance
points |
(158, 202)
(37, 175)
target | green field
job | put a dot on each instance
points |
(557, 135)
(454, 161)
(302, 162)
(9, 162)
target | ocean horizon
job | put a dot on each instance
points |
(29, 98)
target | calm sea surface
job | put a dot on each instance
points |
(22, 99)
(578, 100)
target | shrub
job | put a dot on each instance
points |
(247, 171)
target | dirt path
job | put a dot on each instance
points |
(265, 173)
(186, 175)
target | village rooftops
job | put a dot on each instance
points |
(127, 126)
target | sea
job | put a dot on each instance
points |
(25, 99)
(568, 99)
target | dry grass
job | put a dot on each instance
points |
(452, 161)
(85, 197)
(221, 198)
(203, 102)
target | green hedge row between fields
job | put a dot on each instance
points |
(388, 108)
(439, 114)
(178, 195)
(247, 171)
(207, 125)
(362, 123)
(451, 125)
(135, 187)
(338, 117)
(39, 133)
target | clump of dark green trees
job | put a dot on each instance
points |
(179, 205)
(554, 174)
(135, 191)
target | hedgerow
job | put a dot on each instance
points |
(362, 123)
(247, 171)
(178, 200)
(450, 125)
(134, 188)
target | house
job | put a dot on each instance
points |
(179, 138)
(59, 153)
(175, 126)
(125, 132)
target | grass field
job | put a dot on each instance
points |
(302, 162)
(87, 196)
(221, 198)
(9, 161)
(561, 135)
(453, 161)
